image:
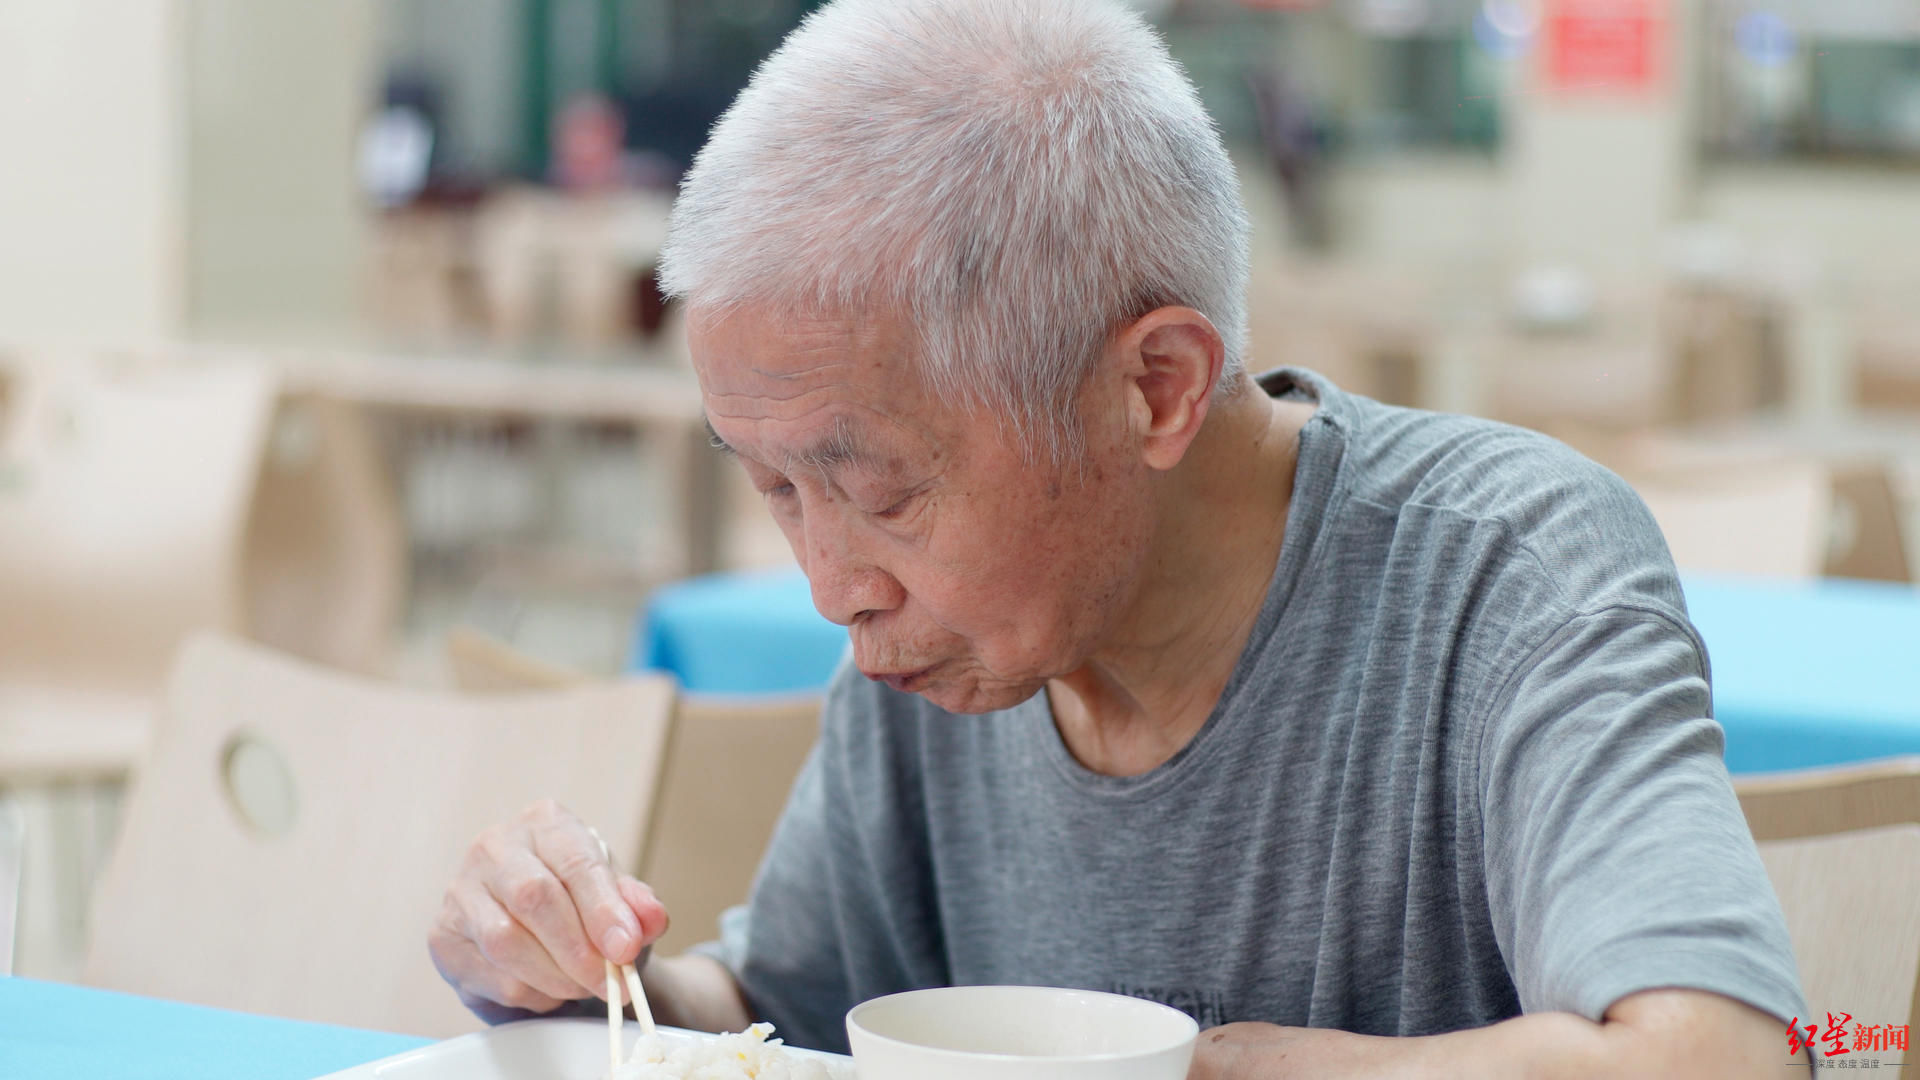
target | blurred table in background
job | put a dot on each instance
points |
(1808, 674)
(660, 403)
(51, 1031)
(754, 633)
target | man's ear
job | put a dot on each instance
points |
(1172, 357)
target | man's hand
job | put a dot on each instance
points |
(533, 911)
(1645, 1036)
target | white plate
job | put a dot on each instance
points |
(568, 1049)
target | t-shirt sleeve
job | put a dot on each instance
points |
(1617, 856)
(832, 919)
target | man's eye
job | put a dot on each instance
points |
(898, 509)
(778, 491)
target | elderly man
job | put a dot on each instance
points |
(1377, 740)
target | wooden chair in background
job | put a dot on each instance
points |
(483, 664)
(1887, 375)
(730, 767)
(1842, 846)
(145, 496)
(291, 830)
(731, 763)
(121, 533)
(121, 526)
(324, 568)
(1753, 508)
(1869, 541)
(1765, 519)
(152, 497)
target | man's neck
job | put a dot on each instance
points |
(1146, 694)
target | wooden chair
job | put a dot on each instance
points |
(1887, 376)
(147, 495)
(291, 830)
(1769, 519)
(120, 534)
(1871, 542)
(152, 495)
(122, 525)
(483, 664)
(1842, 846)
(730, 766)
(1748, 506)
(324, 563)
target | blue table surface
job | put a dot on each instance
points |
(747, 633)
(52, 1031)
(1810, 673)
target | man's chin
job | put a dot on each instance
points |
(970, 699)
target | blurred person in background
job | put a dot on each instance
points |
(1376, 740)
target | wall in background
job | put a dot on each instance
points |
(90, 169)
(277, 231)
(1850, 221)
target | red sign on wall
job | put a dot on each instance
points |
(1604, 45)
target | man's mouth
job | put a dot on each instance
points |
(904, 681)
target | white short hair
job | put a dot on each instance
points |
(1017, 178)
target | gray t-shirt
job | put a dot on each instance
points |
(1464, 769)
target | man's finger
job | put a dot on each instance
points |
(479, 983)
(646, 906)
(574, 856)
(509, 944)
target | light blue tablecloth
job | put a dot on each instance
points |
(1804, 674)
(751, 633)
(1810, 674)
(50, 1031)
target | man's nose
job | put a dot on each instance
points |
(846, 583)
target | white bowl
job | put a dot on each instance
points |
(1019, 1033)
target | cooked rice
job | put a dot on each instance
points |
(742, 1055)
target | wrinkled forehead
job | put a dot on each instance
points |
(782, 388)
(779, 352)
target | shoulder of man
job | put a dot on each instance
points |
(1577, 525)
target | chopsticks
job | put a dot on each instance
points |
(614, 1053)
(641, 1011)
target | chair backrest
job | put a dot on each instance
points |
(483, 664)
(123, 513)
(11, 836)
(310, 895)
(326, 557)
(1871, 541)
(730, 766)
(1842, 846)
(1767, 519)
(731, 763)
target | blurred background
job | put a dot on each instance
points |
(333, 327)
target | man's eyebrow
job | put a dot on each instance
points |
(840, 446)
